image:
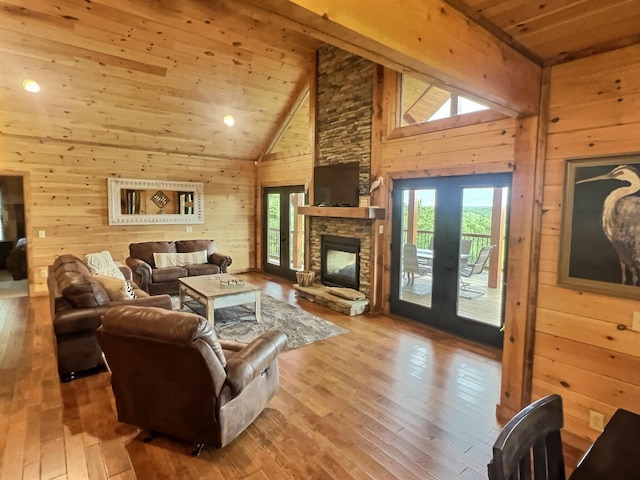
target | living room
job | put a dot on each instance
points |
(151, 110)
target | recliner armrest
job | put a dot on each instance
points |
(254, 359)
(223, 261)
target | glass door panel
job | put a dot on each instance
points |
(273, 228)
(482, 237)
(416, 266)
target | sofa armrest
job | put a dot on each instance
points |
(126, 271)
(223, 261)
(254, 359)
(77, 320)
(141, 272)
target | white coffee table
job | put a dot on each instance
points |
(208, 292)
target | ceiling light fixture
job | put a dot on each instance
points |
(31, 86)
(229, 121)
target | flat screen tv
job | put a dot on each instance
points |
(336, 185)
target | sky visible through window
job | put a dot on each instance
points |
(473, 197)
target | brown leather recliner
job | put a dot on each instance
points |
(154, 280)
(171, 374)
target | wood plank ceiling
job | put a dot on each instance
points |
(153, 74)
(557, 31)
(160, 75)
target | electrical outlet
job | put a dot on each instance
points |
(635, 323)
(188, 229)
(42, 234)
(44, 273)
(596, 420)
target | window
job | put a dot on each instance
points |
(421, 102)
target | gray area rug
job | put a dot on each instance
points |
(239, 323)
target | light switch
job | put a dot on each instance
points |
(188, 229)
(42, 234)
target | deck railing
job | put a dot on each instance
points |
(424, 239)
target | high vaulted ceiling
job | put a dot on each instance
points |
(557, 31)
(153, 74)
(160, 74)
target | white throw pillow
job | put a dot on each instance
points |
(102, 263)
(163, 260)
(116, 289)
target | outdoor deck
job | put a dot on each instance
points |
(486, 308)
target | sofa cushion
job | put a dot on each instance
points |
(168, 274)
(183, 246)
(83, 291)
(203, 269)
(163, 260)
(145, 250)
(102, 263)
(116, 288)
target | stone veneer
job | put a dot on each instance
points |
(343, 134)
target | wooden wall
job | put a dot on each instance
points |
(66, 197)
(584, 346)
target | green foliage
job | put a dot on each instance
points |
(474, 219)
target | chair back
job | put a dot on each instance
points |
(465, 246)
(410, 258)
(167, 368)
(481, 261)
(529, 446)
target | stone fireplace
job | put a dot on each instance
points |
(344, 100)
(340, 261)
(356, 230)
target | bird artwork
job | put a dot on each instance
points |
(376, 184)
(621, 218)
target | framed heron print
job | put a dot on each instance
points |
(600, 231)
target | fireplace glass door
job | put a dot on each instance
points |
(283, 244)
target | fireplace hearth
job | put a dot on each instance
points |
(340, 262)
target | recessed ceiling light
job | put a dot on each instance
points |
(31, 86)
(229, 121)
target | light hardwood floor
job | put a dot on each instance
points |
(390, 399)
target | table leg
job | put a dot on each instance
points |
(181, 296)
(258, 306)
(210, 311)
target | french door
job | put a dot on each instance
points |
(283, 241)
(449, 244)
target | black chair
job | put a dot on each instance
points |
(529, 446)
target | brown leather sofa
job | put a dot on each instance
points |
(171, 374)
(154, 280)
(77, 302)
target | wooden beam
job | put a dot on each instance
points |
(428, 38)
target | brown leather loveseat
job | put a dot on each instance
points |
(182, 259)
(170, 374)
(77, 302)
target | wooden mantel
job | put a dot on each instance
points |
(368, 213)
